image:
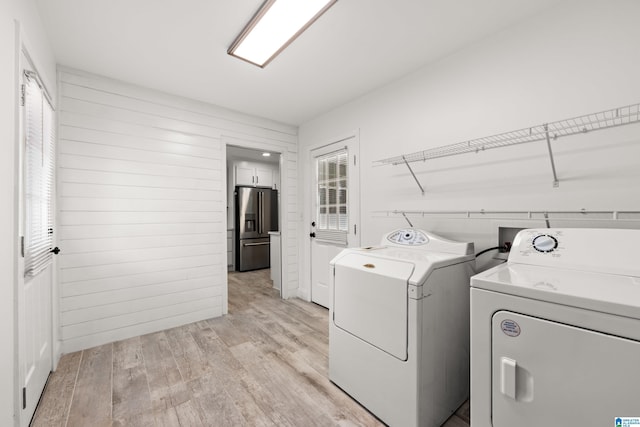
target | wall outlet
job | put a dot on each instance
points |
(506, 235)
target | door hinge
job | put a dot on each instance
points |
(354, 160)
(355, 229)
(22, 246)
(24, 398)
(23, 90)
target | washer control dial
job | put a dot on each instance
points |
(408, 237)
(544, 243)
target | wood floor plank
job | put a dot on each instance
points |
(166, 387)
(317, 324)
(54, 406)
(91, 403)
(213, 403)
(282, 398)
(254, 401)
(190, 359)
(167, 417)
(311, 309)
(257, 334)
(227, 331)
(144, 419)
(208, 342)
(188, 415)
(285, 320)
(131, 394)
(317, 361)
(229, 375)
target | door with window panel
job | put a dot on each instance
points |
(37, 227)
(335, 207)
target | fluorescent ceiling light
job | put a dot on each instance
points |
(266, 154)
(274, 27)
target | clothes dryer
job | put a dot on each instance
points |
(555, 331)
(399, 326)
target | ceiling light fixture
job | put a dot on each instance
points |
(266, 154)
(274, 27)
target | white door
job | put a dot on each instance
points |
(551, 374)
(35, 265)
(334, 209)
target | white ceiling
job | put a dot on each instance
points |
(179, 47)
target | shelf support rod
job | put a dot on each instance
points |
(413, 174)
(556, 183)
(405, 217)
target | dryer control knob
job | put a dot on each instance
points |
(544, 243)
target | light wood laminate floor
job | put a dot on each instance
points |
(263, 364)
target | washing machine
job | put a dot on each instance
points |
(555, 331)
(399, 326)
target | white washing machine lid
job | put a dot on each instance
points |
(425, 250)
(606, 293)
(424, 262)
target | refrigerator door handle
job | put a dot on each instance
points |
(261, 207)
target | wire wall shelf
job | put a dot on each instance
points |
(545, 132)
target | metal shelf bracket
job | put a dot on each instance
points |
(556, 183)
(413, 174)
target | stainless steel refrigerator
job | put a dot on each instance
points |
(256, 213)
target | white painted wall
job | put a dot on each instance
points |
(577, 59)
(141, 184)
(33, 37)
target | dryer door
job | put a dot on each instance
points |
(550, 374)
(370, 301)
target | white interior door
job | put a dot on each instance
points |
(36, 226)
(334, 209)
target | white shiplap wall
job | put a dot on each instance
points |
(141, 207)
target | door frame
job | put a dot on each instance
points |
(305, 293)
(283, 215)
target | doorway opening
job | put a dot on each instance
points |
(254, 220)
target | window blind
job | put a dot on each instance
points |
(38, 177)
(333, 220)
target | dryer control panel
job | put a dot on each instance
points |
(598, 250)
(532, 242)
